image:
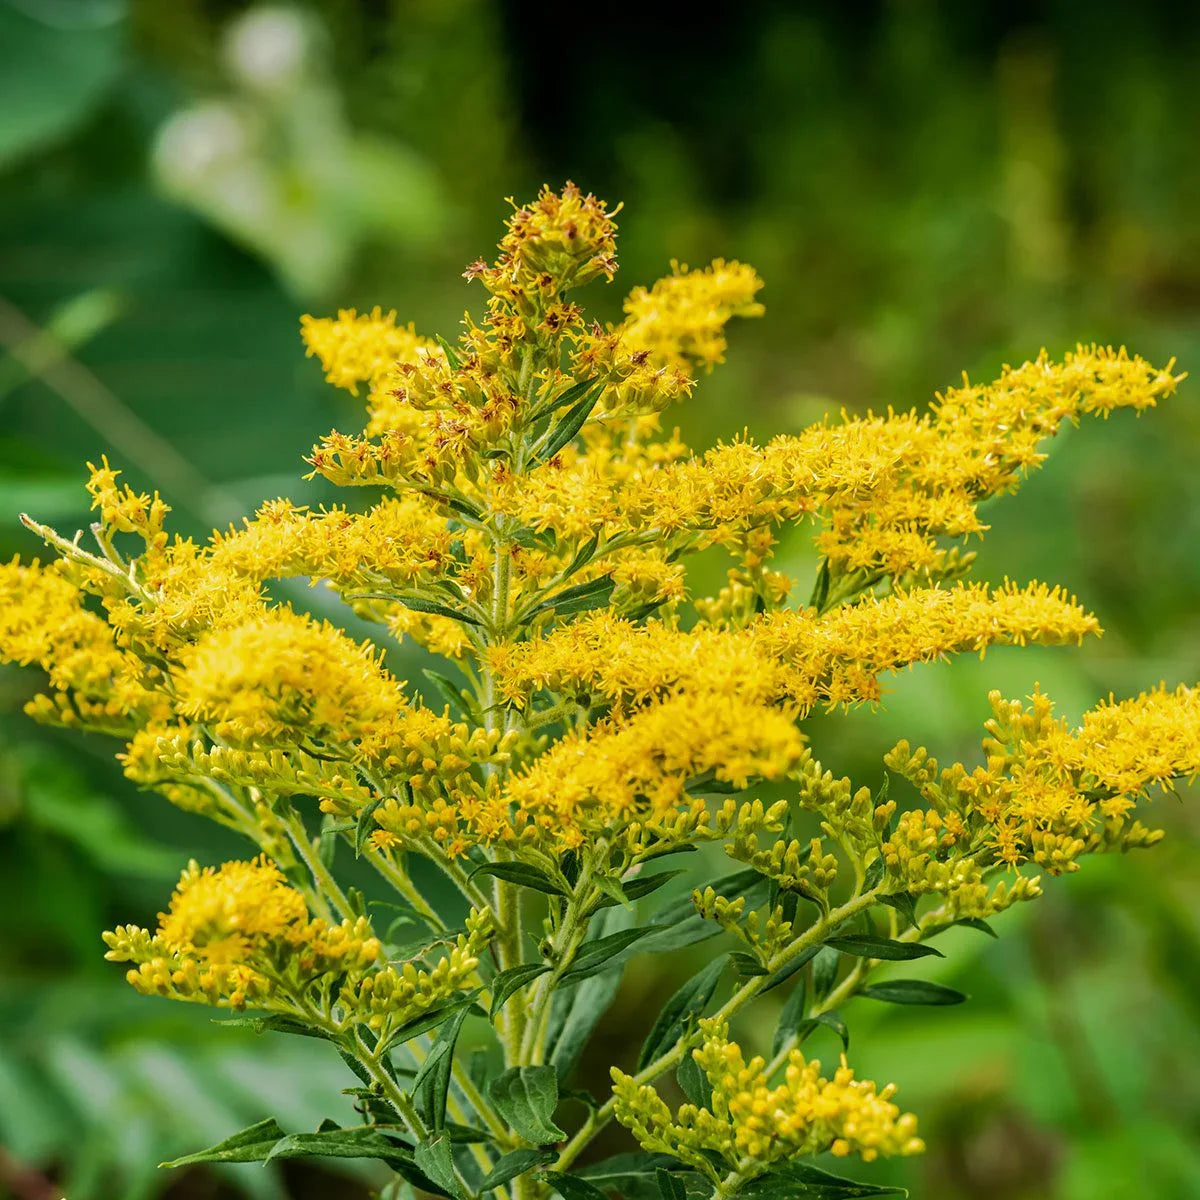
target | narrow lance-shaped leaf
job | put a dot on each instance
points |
(912, 991)
(868, 946)
(688, 1002)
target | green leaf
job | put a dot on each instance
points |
(688, 1002)
(430, 1020)
(785, 973)
(432, 1083)
(824, 972)
(791, 1181)
(790, 1018)
(436, 608)
(361, 1142)
(873, 876)
(253, 1144)
(568, 396)
(598, 955)
(905, 903)
(506, 983)
(594, 593)
(612, 892)
(515, 1163)
(526, 1098)
(452, 355)
(670, 1187)
(435, 1159)
(522, 874)
(820, 592)
(644, 885)
(868, 946)
(747, 965)
(831, 1020)
(467, 1135)
(362, 829)
(575, 1014)
(572, 1187)
(583, 555)
(455, 696)
(275, 1024)
(912, 991)
(977, 923)
(568, 428)
(693, 1082)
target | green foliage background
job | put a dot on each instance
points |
(924, 187)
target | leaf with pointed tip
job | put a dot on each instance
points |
(252, 1144)
(831, 1020)
(977, 923)
(360, 1142)
(507, 983)
(688, 1002)
(693, 1082)
(432, 1083)
(824, 972)
(791, 1018)
(598, 955)
(569, 426)
(522, 874)
(515, 1163)
(789, 1181)
(594, 593)
(568, 396)
(572, 1187)
(785, 973)
(868, 946)
(435, 1159)
(363, 828)
(670, 1187)
(526, 1098)
(912, 991)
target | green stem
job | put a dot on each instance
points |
(405, 886)
(325, 882)
(669, 1059)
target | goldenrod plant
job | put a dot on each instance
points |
(530, 519)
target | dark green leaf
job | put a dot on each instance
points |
(831, 1020)
(515, 1163)
(568, 396)
(526, 1098)
(360, 1142)
(820, 592)
(873, 875)
(791, 1181)
(639, 886)
(824, 972)
(506, 983)
(977, 923)
(467, 1135)
(430, 1020)
(423, 604)
(669, 1186)
(575, 1014)
(747, 965)
(598, 955)
(912, 991)
(688, 1002)
(572, 1187)
(868, 946)
(693, 1082)
(435, 1159)
(905, 903)
(522, 874)
(790, 1018)
(594, 593)
(568, 428)
(785, 973)
(583, 555)
(432, 1083)
(252, 1144)
(452, 694)
(363, 829)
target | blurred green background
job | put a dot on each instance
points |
(925, 187)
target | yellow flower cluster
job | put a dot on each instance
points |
(356, 349)
(751, 1123)
(240, 935)
(1048, 793)
(681, 319)
(799, 656)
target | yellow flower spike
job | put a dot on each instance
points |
(356, 349)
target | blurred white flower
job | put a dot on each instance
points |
(266, 49)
